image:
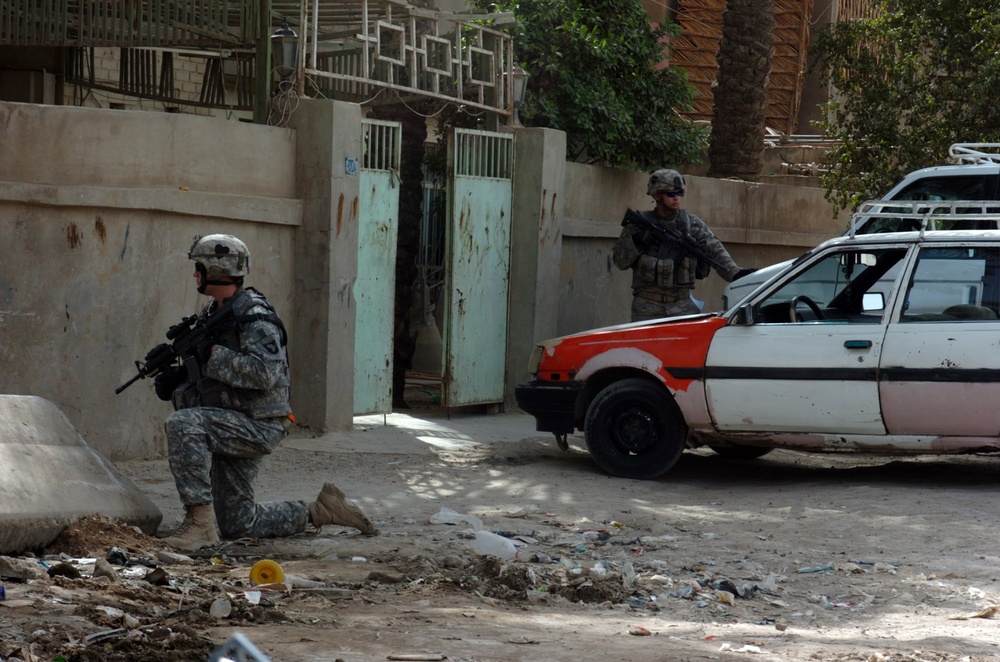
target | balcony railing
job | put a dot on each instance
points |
(353, 50)
(116, 23)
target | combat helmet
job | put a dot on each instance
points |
(665, 180)
(219, 256)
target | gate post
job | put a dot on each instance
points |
(328, 144)
(536, 247)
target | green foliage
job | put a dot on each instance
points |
(919, 77)
(594, 76)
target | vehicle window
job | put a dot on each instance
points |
(973, 187)
(850, 286)
(945, 218)
(954, 284)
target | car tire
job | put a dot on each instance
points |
(740, 452)
(634, 429)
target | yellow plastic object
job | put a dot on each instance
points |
(266, 571)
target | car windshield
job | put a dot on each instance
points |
(845, 286)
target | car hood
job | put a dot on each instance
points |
(738, 289)
(650, 346)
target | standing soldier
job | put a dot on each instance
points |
(663, 270)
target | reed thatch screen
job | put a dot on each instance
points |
(850, 9)
(695, 51)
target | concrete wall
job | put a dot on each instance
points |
(98, 210)
(760, 224)
(326, 250)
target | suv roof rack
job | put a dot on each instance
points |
(975, 152)
(926, 210)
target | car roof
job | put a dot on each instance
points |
(950, 170)
(911, 237)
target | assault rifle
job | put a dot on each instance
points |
(186, 336)
(665, 237)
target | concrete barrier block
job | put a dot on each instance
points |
(50, 477)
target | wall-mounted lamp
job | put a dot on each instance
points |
(520, 82)
(285, 52)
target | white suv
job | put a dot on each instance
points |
(975, 176)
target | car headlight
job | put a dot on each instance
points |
(536, 357)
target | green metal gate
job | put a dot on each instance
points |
(478, 267)
(374, 289)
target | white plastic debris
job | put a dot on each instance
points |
(449, 516)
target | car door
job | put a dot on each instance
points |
(940, 366)
(808, 359)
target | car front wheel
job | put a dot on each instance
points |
(633, 429)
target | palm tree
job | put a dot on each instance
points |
(740, 96)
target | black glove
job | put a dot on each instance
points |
(643, 240)
(743, 272)
(204, 350)
(155, 352)
(165, 383)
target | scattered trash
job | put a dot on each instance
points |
(266, 571)
(301, 582)
(449, 516)
(98, 637)
(238, 648)
(726, 585)
(639, 631)
(819, 568)
(987, 612)
(3, 592)
(600, 535)
(524, 511)
(628, 576)
(417, 657)
(746, 648)
(490, 544)
(116, 556)
(221, 608)
(359, 559)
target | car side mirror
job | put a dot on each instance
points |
(745, 315)
(872, 301)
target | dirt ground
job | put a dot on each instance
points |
(790, 557)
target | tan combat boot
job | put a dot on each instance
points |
(330, 507)
(196, 531)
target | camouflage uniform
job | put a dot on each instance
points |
(662, 281)
(232, 415)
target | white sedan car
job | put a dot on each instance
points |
(886, 343)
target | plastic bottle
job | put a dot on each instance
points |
(490, 544)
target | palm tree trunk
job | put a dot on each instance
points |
(740, 97)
